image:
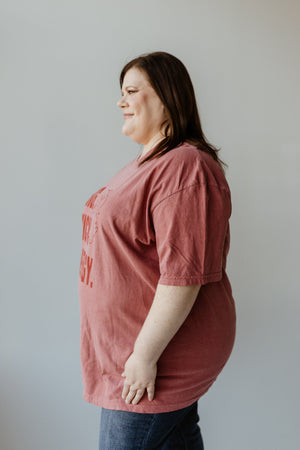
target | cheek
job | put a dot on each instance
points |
(140, 103)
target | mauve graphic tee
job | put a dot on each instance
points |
(165, 222)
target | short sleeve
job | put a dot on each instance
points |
(191, 227)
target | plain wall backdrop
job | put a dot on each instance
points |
(61, 141)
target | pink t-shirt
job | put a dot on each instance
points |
(165, 222)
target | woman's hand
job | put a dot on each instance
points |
(139, 376)
(170, 308)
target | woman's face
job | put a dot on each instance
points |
(142, 108)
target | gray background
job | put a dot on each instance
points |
(61, 140)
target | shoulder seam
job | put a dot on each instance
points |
(187, 187)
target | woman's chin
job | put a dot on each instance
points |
(125, 130)
(129, 134)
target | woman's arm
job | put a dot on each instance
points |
(170, 308)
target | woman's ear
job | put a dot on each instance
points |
(165, 128)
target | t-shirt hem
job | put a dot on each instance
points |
(149, 408)
(190, 280)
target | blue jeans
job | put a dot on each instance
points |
(176, 430)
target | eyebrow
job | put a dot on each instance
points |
(128, 87)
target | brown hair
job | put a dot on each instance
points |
(172, 83)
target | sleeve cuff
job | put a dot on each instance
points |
(188, 281)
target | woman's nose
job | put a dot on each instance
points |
(122, 102)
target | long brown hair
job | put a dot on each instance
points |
(172, 83)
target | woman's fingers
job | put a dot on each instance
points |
(125, 391)
(129, 393)
(130, 396)
(139, 394)
(150, 391)
(139, 376)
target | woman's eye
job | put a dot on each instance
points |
(131, 92)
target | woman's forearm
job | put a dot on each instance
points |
(170, 308)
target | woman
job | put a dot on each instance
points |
(157, 313)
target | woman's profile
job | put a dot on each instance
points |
(157, 312)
